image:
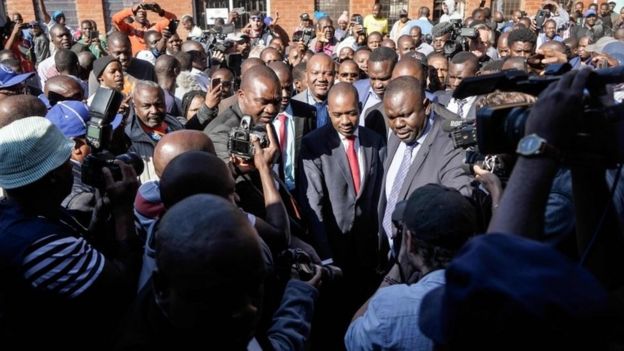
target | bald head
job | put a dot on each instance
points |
(118, 37)
(256, 73)
(176, 143)
(516, 62)
(342, 91)
(388, 43)
(166, 65)
(270, 54)
(285, 77)
(62, 88)
(250, 62)
(191, 45)
(411, 67)
(206, 247)
(192, 173)
(17, 107)
(405, 85)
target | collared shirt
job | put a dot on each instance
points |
(391, 319)
(360, 153)
(289, 157)
(371, 100)
(398, 157)
(311, 100)
(453, 105)
(424, 48)
(201, 78)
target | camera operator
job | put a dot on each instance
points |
(441, 33)
(55, 280)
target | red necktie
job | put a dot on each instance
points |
(282, 131)
(353, 163)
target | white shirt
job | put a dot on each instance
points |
(196, 32)
(371, 100)
(453, 106)
(46, 70)
(425, 48)
(289, 158)
(360, 153)
(146, 55)
(398, 157)
(201, 78)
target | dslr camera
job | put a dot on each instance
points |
(239, 143)
(99, 135)
(301, 262)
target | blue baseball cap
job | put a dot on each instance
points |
(589, 12)
(57, 14)
(512, 291)
(615, 50)
(70, 117)
(10, 78)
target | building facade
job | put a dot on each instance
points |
(289, 10)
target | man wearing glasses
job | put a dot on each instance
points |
(257, 31)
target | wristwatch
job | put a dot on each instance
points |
(533, 145)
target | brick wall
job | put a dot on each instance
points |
(25, 7)
(289, 11)
(93, 10)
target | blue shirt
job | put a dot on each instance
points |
(391, 320)
(289, 156)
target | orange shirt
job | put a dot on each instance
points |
(136, 31)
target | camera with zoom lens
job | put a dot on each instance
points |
(595, 141)
(240, 139)
(102, 112)
(458, 40)
(299, 261)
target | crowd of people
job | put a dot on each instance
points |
(246, 188)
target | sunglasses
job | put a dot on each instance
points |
(255, 18)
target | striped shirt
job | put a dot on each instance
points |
(64, 265)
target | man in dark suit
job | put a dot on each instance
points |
(294, 120)
(419, 152)
(463, 65)
(381, 62)
(320, 74)
(258, 97)
(342, 165)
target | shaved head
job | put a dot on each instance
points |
(192, 173)
(250, 62)
(62, 88)
(17, 107)
(410, 67)
(342, 91)
(176, 143)
(255, 73)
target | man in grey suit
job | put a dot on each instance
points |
(419, 153)
(381, 63)
(463, 65)
(342, 169)
(320, 74)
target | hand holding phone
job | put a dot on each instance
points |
(215, 83)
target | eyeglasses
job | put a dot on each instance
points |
(255, 18)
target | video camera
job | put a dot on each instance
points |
(215, 39)
(300, 261)
(239, 143)
(102, 112)
(458, 40)
(500, 128)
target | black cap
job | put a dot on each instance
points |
(304, 17)
(438, 215)
(100, 65)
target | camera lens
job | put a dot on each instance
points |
(133, 160)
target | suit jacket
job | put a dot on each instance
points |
(444, 98)
(362, 86)
(219, 129)
(304, 117)
(343, 223)
(436, 162)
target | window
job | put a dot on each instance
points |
(391, 10)
(507, 7)
(68, 7)
(111, 7)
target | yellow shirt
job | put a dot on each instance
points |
(373, 24)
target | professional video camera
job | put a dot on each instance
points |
(239, 142)
(215, 39)
(300, 261)
(500, 128)
(458, 40)
(102, 112)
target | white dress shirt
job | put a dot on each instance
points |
(453, 106)
(289, 157)
(360, 153)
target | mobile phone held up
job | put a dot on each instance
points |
(173, 26)
(215, 83)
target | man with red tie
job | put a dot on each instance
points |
(340, 181)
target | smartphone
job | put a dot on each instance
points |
(215, 83)
(173, 26)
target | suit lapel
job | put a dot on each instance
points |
(422, 154)
(368, 160)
